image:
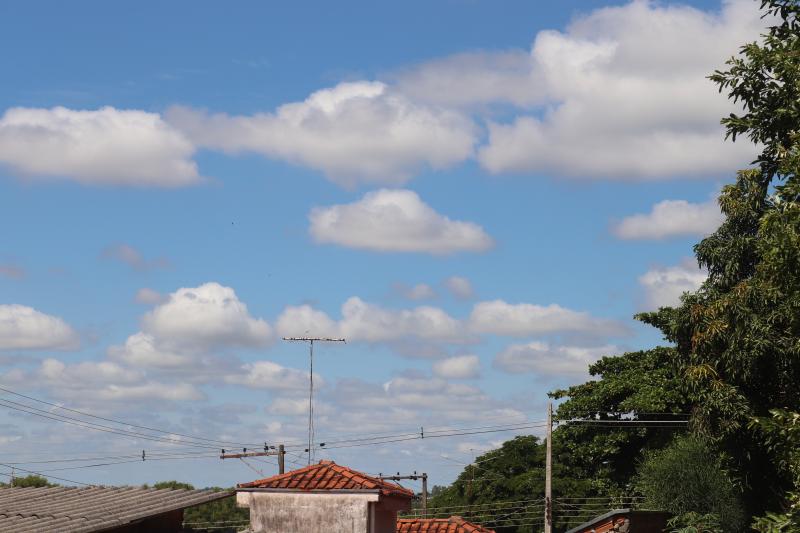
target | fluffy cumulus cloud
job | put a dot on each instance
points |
(192, 332)
(106, 146)
(23, 327)
(395, 221)
(671, 218)
(544, 359)
(204, 317)
(519, 320)
(606, 97)
(107, 381)
(269, 375)
(460, 287)
(366, 322)
(663, 286)
(458, 367)
(357, 132)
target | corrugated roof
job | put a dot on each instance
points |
(74, 510)
(454, 524)
(327, 475)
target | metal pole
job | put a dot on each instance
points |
(424, 495)
(281, 459)
(311, 403)
(548, 480)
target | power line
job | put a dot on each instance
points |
(122, 422)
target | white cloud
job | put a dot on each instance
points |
(366, 322)
(671, 218)
(107, 146)
(395, 221)
(204, 317)
(518, 320)
(544, 359)
(420, 291)
(148, 296)
(663, 286)
(458, 367)
(269, 375)
(621, 93)
(460, 287)
(358, 132)
(142, 350)
(89, 382)
(23, 327)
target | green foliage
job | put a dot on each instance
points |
(222, 512)
(689, 476)
(737, 339)
(692, 522)
(222, 516)
(32, 480)
(512, 473)
(782, 434)
(172, 485)
(632, 386)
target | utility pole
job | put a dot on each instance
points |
(268, 450)
(548, 480)
(414, 477)
(311, 341)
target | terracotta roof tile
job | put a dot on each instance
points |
(454, 524)
(327, 475)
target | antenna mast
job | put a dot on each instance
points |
(311, 341)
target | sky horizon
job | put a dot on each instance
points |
(478, 199)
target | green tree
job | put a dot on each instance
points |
(737, 339)
(688, 476)
(220, 516)
(32, 480)
(642, 386)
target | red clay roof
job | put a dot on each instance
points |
(327, 475)
(454, 524)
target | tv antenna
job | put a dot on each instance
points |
(311, 341)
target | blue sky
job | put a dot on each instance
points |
(478, 195)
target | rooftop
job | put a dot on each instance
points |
(328, 476)
(454, 524)
(73, 510)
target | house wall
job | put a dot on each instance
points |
(287, 512)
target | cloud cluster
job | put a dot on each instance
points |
(606, 98)
(365, 322)
(544, 359)
(671, 218)
(523, 319)
(132, 257)
(458, 367)
(395, 221)
(663, 286)
(23, 327)
(355, 132)
(106, 146)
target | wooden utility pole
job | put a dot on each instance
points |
(548, 479)
(414, 476)
(280, 452)
(311, 341)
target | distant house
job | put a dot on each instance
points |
(91, 509)
(323, 498)
(327, 498)
(454, 524)
(625, 521)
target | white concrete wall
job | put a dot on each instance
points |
(288, 512)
